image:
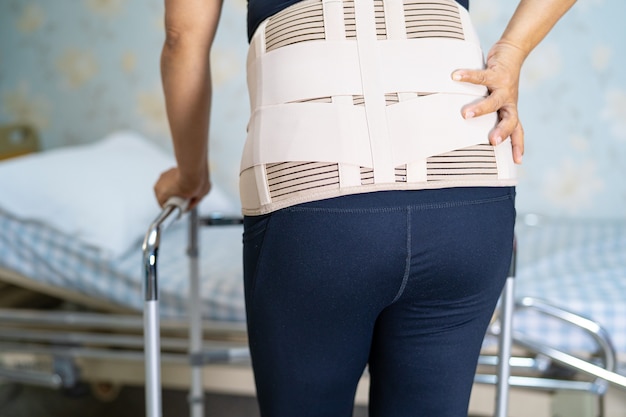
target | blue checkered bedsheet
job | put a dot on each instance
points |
(579, 265)
(40, 253)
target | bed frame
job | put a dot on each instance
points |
(104, 344)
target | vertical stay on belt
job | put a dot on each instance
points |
(373, 92)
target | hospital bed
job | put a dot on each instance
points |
(89, 326)
(70, 301)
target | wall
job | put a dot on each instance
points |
(573, 108)
(79, 69)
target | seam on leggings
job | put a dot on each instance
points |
(407, 267)
(417, 207)
(255, 230)
(262, 249)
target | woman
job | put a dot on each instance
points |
(377, 185)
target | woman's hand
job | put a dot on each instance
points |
(530, 23)
(172, 184)
(501, 77)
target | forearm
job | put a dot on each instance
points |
(190, 27)
(186, 81)
(532, 21)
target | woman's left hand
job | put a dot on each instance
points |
(501, 77)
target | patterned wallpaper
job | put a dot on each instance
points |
(79, 69)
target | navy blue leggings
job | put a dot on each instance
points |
(404, 282)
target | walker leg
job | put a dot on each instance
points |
(152, 348)
(504, 350)
(152, 344)
(505, 340)
(196, 395)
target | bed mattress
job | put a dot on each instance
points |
(55, 259)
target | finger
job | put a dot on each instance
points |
(480, 77)
(156, 188)
(509, 122)
(504, 128)
(161, 197)
(195, 200)
(489, 104)
(161, 187)
(517, 140)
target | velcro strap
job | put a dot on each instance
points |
(328, 68)
(325, 132)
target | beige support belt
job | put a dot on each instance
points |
(357, 96)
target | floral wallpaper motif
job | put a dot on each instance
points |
(79, 69)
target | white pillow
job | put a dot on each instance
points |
(100, 193)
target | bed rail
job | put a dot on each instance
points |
(606, 373)
(546, 355)
(49, 349)
(107, 321)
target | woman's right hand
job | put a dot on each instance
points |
(172, 184)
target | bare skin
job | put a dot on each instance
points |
(186, 75)
(190, 28)
(530, 23)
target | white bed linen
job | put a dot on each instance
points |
(100, 193)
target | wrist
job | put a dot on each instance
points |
(513, 49)
(194, 178)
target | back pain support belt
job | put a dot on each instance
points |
(356, 96)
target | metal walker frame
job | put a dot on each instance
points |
(503, 361)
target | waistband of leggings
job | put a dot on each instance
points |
(416, 199)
